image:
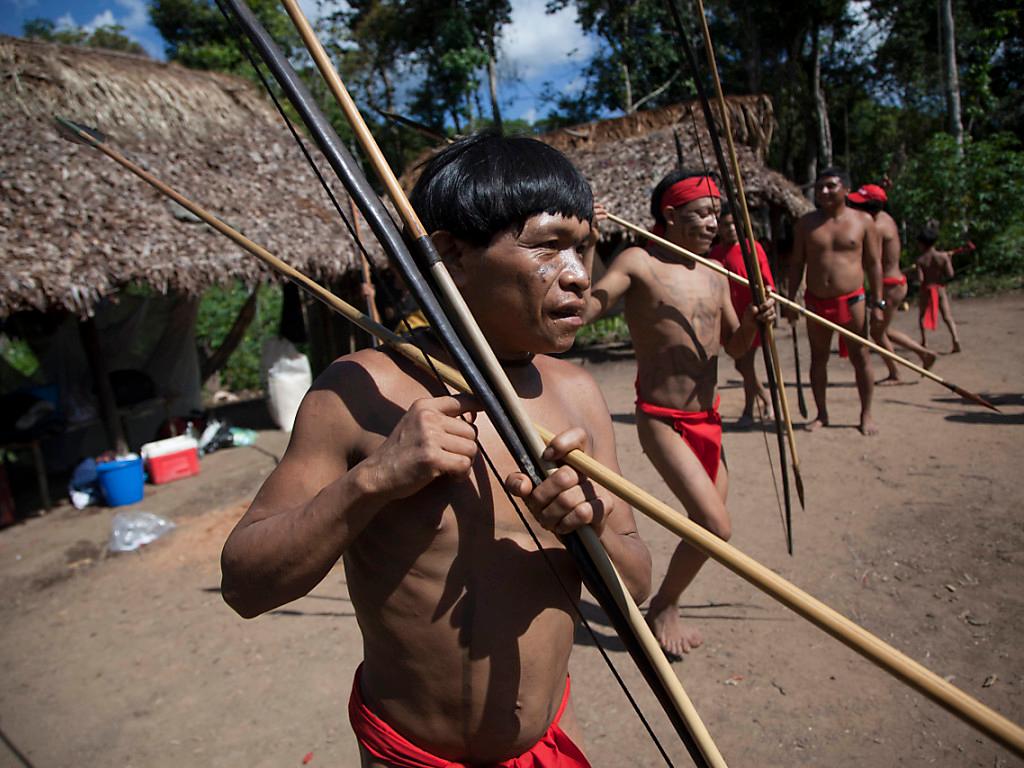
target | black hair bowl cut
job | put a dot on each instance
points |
(487, 184)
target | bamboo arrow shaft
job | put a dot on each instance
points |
(780, 299)
(767, 329)
(863, 642)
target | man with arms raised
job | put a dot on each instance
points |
(466, 631)
(871, 199)
(838, 247)
(680, 316)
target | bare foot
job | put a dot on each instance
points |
(675, 639)
(745, 421)
(892, 380)
(867, 426)
(928, 360)
(818, 423)
(956, 348)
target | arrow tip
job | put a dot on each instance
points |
(968, 395)
(77, 133)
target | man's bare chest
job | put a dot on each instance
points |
(679, 303)
(840, 238)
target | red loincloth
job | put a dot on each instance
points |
(930, 292)
(554, 750)
(836, 309)
(701, 430)
(732, 259)
(890, 282)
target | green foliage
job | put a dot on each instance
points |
(981, 195)
(604, 330)
(217, 311)
(446, 47)
(110, 37)
(198, 35)
(638, 64)
(17, 354)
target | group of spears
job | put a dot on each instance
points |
(466, 528)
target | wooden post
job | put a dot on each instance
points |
(105, 394)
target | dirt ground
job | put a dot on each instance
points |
(134, 660)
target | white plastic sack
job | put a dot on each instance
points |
(288, 380)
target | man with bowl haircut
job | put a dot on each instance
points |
(466, 632)
(680, 317)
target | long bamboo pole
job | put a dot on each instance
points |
(711, 264)
(767, 329)
(860, 640)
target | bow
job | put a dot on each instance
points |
(746, 241)
(863, 642)
(461, 336)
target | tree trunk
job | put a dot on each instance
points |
(243, 319)
(820, 105)
(752, 54)
(492, 82)
(956, 126)
(629, 89)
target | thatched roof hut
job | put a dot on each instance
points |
(75, 226)
(625, 157)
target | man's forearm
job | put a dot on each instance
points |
(281, 557)
(741, 339)
(632, 560)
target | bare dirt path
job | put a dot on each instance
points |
(134, 660)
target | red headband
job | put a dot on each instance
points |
(686, 191)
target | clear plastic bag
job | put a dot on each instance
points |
(131, 530)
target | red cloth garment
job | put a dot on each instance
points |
(554, 750)
(891, 281)
(731, 257)
(701, 430)
(931, 309)
(836, 309)
(683, 192)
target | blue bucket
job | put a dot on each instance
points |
(121, 481)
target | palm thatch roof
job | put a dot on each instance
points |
(625, 157)
(74, 226)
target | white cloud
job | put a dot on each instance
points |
(104, 19)
(535, 41)
(315, 10)
(67, 21)
(137, 16)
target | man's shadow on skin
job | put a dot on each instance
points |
(476, 593)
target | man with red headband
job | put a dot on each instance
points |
(871, 199)
(838, 246)
(680, 315)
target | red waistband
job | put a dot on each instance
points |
(378, 738)
(901, 280)
(679, 415)
(847, 296)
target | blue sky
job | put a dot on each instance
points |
(535, 48)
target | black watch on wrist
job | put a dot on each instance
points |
(881, 304)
